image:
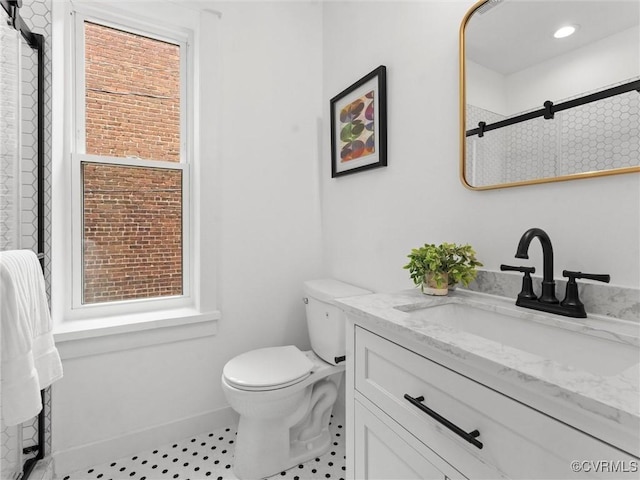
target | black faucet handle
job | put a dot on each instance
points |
(527, 284)
(525, 270)
(571, 297)
(588, 276)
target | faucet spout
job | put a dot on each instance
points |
(548, 284)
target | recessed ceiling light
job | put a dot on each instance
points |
(565, 31)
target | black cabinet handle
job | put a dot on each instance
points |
(470, 437)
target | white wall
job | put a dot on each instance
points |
(264, 116)
(261, 152)
(279, 218)
(486, 88)
(592, 67)
(270, 214)
(371, 220)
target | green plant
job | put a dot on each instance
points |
(448, 262)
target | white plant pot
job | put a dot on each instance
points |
(429, 286)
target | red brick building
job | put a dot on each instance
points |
(132, 215)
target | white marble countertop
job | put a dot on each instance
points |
(605, 406)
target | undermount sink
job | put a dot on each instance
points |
(570, 347)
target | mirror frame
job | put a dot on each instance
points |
(463, 130)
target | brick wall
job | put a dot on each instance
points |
(132, 95)
(132, 233)
(132, 216)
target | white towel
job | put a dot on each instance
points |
(30, 360)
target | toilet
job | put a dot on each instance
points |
(285, 396)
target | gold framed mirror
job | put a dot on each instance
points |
(535, 108)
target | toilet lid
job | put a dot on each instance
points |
(266, 368)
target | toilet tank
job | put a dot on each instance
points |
(325, 319)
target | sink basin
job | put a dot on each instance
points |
(599, 356)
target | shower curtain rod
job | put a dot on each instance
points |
(549, 109)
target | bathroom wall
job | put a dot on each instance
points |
(278, 218)
(18, 174)
(371, 220)
(486, 88)
(491, 150)
(262, 78)
(595, 136)
(9, 123)
(573, 142)
(605, 62)
(269, 223)
(19, 156)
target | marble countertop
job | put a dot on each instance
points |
(606, 406)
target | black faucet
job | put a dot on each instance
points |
(571, 306)
(548, 284)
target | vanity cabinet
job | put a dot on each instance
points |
(384, 452)
(393, 436)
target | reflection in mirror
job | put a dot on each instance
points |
(536, 108)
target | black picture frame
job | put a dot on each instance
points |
(359, 125)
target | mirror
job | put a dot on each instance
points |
(535, 108)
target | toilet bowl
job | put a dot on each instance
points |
(285, 396)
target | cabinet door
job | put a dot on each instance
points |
(382, 454)
(517, 441)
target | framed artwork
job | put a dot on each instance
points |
(359, 125)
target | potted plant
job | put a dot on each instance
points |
(437, 267)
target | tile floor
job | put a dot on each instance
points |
(210, 456)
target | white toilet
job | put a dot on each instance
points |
(285, 396)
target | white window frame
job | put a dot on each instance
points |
(184, 39)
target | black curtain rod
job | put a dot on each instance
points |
(550, 109)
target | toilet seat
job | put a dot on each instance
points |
(268, 368)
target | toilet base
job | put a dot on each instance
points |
(265, 447)
(259, 458)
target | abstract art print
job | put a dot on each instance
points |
(359, 125)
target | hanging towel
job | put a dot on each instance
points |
(30, 360)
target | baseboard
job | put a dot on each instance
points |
(76, 458)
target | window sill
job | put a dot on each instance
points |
(103, 335)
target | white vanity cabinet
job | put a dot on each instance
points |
(393, 437)
(385, 452)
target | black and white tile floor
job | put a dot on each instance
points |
(210, 456)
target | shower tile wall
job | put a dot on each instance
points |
(605, 134)
(9, 149)
(18, 229)
(492, 149)
(37, 14)
(532, 150)
(10, 204)
(29, 149)
(19, 189)
(596, 136)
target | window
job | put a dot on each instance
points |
(132, 232)
(130, 164)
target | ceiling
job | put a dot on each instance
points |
(509, 35)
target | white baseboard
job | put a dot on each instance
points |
(76, 458)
